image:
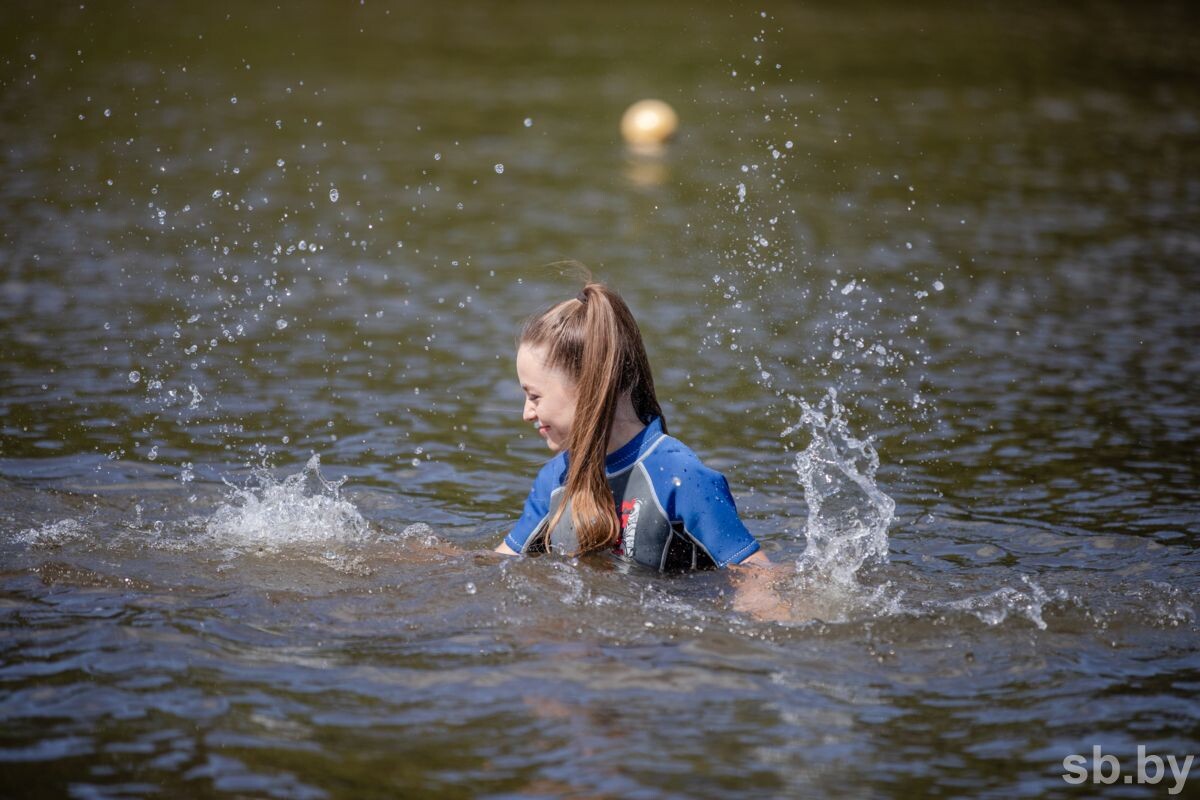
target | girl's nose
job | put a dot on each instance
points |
(529, 414)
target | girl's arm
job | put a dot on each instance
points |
(754, 590)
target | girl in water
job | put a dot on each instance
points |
(618, 481)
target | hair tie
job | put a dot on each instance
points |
(582, 296)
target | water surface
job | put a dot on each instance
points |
(233, 238)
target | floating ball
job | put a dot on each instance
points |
(648, 122)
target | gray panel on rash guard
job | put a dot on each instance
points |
(656, 543)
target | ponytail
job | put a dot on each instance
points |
(594, 339)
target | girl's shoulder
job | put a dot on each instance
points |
(553, 471)
(672, 456)
(670, 447)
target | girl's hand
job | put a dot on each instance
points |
(755, 589)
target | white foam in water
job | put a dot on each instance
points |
(304, 508)
(416, 533)
(53, 534)
(995, 607)
(848, 515)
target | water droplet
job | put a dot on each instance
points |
(233, 101)
(153, 454)
(108, 112)
(333, 195)
(938, 286)
(279, 162)
(499, 169)
(217, 194)
(528, 122)
(471, 588)
(135, 376)
(281, 324)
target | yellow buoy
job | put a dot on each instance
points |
(648, 123)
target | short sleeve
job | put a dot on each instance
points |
(537, 505)
(704, 503)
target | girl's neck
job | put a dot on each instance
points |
(626, 425)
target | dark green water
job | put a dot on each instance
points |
(236, 236)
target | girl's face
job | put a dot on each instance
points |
(549, 396)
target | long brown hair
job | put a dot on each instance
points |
(594, 339)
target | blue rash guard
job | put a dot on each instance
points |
(676, 514)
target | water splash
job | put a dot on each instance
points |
(995, 607)
(848, 515)
(53, 534)
(847, 530)
(304, 508)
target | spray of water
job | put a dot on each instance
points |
(847, 530)
(848, 514)
(305, 508)
(53, 534)
(995, 607)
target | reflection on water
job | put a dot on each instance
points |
(647, 169)
(920, 281)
